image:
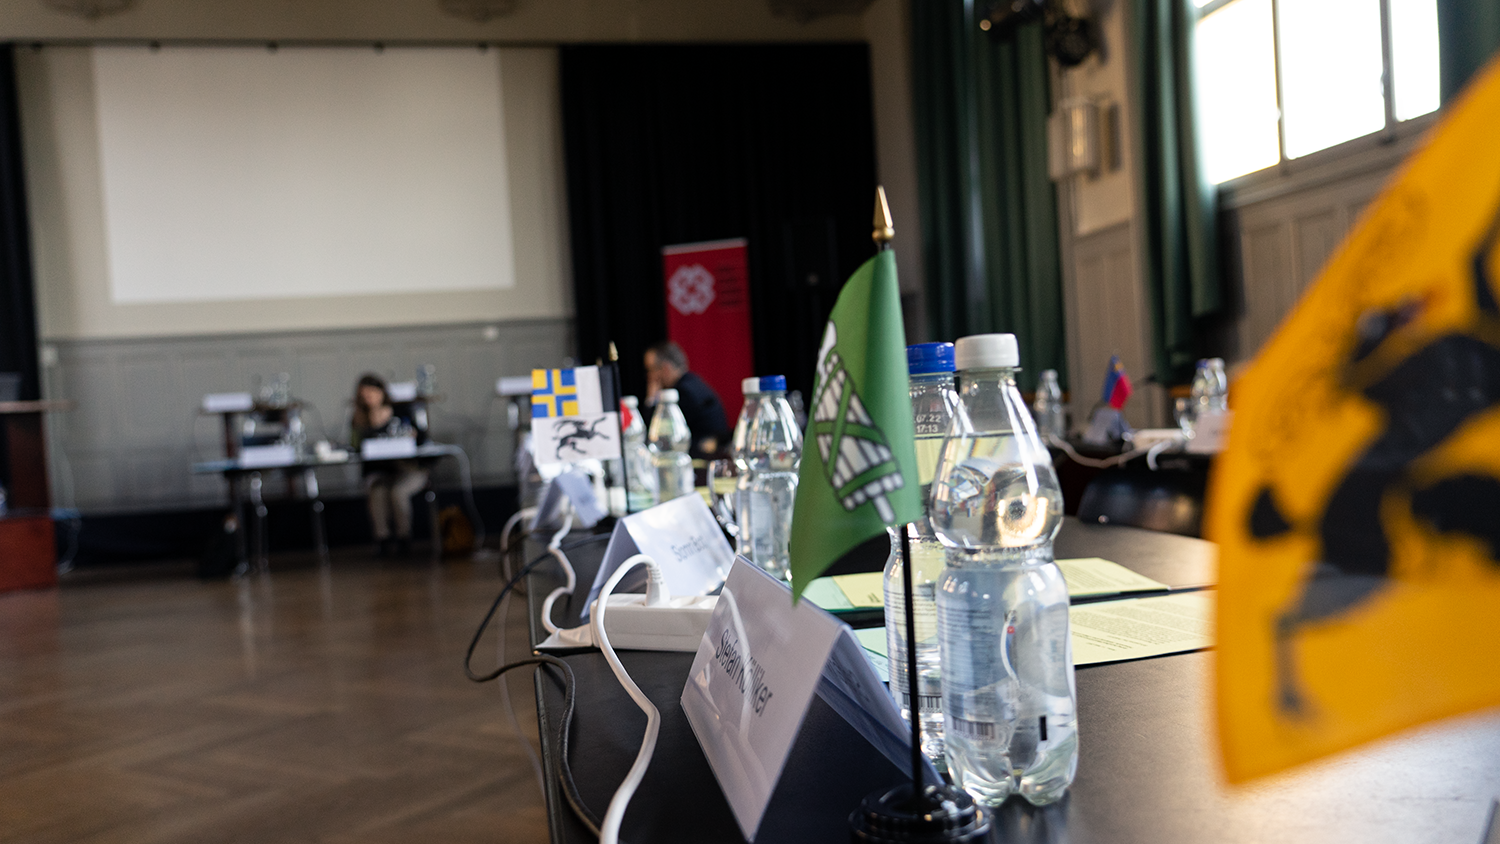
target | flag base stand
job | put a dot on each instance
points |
(941, 813)
(916, 813)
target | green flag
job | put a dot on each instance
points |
(859, 461)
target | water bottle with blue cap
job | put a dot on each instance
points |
(933, 399)
(768, 479)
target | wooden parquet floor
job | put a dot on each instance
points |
(307, 705)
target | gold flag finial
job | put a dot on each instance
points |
(614, 354)
(884, 231)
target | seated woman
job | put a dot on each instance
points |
(390, 484)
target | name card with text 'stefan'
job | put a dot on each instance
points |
(760, 662)
(574, 415)
(683, 538)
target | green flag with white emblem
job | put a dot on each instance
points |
(859, 462)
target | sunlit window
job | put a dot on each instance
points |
(1414, 49)
(1236, 73)
(1281, 79)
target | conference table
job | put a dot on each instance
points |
(299, 466)
(1148, 766)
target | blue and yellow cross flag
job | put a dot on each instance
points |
(859, 459)
(1357, 507)
(554, 392)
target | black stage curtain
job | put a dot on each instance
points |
(17, 298)
(680, 144)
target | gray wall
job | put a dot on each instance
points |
(128, 444)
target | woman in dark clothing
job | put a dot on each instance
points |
(389, 484)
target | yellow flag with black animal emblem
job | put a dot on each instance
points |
(1357, 507)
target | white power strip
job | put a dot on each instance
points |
(678, 626)
(631, 625)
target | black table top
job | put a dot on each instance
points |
(1148, 769)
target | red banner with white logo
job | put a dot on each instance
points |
(708, 313)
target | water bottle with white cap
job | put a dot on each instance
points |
(640, 468)
(740, 473)
(669, 439)
(1009, 704)
(767, 484)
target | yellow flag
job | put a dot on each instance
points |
(1357, 508)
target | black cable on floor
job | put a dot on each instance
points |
(565, 770)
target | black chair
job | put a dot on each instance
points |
(1167, 500)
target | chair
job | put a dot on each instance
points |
(1168, 500)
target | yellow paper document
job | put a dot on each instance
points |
(1090, 577)
(1114, 631)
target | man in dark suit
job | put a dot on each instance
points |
(667, 367)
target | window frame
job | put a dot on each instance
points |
(1393, 133)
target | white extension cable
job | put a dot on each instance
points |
(656, 595)
(555, 550)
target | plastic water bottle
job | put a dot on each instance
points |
(768, 479)
(1047, 406)
(750, 390)
(933, 401)
(1009, 704)
(1216, 388)
(640, 469)
(669, 439)
(1198, 403)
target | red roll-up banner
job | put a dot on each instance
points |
(708, 313)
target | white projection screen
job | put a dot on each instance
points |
(246, 173)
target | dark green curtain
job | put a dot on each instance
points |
(1177, 224)
(989, 214)
(1468, 35)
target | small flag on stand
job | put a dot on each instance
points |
(568, 418)
(1357, 506)
(1117, 387)
(859, 461)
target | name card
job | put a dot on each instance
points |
(388, 448)
(758, 665)
(577, 487)
(267, 456)
(1210, 432)
(683, 538)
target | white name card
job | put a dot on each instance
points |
(683, 538)
(267, 456)
(577, 487)
(759, 664)
(1210, 432)
(388, 448)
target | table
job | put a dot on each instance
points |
(301, 469)
(1148, 770)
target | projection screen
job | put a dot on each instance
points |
(249, 173)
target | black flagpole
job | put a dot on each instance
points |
(614, 370)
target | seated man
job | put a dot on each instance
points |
(667, 367)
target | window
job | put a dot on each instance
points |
(1282, 79)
